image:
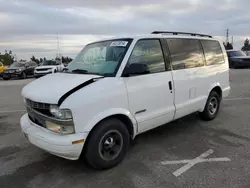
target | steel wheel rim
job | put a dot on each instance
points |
(110, 145)
(213, 105)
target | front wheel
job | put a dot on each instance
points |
(23, 75)
(212, 107)
(107, 144)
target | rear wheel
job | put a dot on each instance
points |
(212, 107)
(107, 144)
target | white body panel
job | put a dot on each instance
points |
(50, 88)
(145, 100)
(151, 101)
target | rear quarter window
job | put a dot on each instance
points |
(213, 52)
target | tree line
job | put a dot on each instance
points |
(245, 47)
(7, 58)
(40, 60)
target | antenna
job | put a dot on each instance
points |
(58, 46)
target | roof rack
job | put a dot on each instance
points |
(181, 33)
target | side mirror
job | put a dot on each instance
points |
(65, 69)
(136, 69)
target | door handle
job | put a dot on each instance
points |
(170, 86)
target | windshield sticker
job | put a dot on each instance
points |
(119, 43)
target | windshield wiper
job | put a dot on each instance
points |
(80, 71)
(83, 71)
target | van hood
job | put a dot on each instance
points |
(51, 88)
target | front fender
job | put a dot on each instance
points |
(110, 112)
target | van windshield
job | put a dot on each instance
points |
(101, 58)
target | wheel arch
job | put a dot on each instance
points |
(126, 118)
(218, 90)
(121, 114)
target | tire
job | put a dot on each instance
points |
(212, 107)
(103, 139)
(23, 75)
(6, 78)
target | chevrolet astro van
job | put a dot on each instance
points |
(118, 88)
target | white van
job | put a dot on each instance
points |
(119, 88)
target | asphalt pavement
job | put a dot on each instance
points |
(186, 153)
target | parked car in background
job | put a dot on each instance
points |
(19, 70)
(104, 99)
(66, 64)
(238, 59)
(48, 67)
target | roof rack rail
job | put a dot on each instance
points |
(181, 33)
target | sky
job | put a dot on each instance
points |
(30, 27)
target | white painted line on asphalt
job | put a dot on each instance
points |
(11, 111)
(236, 99)
(192, 162)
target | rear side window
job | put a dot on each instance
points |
(149, 52)
(213, 52)
(185, 53)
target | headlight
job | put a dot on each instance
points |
(18, 70)
(60, 113)
(63, 129)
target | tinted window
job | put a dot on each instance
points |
(31, 64)
(49, 62)
(150, 53)
(213, 52)
(185, 53)
(16, 64)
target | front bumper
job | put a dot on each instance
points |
(11, 75)
(56, 144)
(38, 74)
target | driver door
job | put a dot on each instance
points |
(151, 98)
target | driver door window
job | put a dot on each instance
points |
(149, 52)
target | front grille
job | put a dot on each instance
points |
(37, 121)
(37, 105)
(42, 69)
(43, 108)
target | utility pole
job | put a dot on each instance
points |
(227, 36)
(58, 46)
